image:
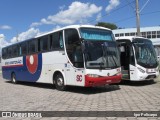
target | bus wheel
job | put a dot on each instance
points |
(59, 82)
(13, 78)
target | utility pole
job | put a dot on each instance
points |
(137, 18)
(17, 37)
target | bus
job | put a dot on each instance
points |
(157, 49)
(76, 55)
(138, 58)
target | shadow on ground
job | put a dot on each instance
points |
(93, 90)
(137, 83)
(73, 89)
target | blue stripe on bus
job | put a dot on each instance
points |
(22, 73)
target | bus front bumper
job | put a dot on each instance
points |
(100, 81)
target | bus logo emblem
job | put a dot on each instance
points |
(32, 63)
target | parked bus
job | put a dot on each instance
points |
(76, 55)
(138, 59)
(157, 49)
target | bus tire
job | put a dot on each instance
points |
(59, 82)
(13, 78)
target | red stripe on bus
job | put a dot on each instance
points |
(92, 81)
(12, 66)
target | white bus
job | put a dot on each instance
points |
(157, 49)
(138, 59)
(76, 55)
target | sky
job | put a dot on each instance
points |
(24, 19)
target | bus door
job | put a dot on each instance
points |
(74, 76)
(69, 74)
(132, 67)
(124, 58)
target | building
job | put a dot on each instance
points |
(152, 33)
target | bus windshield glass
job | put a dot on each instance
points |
(96, 34)
(145, 53)
(101, 50)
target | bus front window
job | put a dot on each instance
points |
(145, 53)
(73, 48)
(100, 49)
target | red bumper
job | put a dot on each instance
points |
(100, 81)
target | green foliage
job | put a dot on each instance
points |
(107, 25)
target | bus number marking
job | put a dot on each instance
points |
(79, 78)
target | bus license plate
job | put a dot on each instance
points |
(150, 70)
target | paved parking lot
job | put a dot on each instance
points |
(128, 96)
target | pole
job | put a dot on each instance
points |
(137, 18)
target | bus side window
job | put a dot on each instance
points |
(43, 44)
(56, 41)
(20, 51)
(9, 52)
(132, 58)
(61, 40)
(50, 42)
(32, 46)
(15, 51)
(23, 48)
(4, 53)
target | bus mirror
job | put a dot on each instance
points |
(83, 46)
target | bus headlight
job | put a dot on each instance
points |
(141, 70)
(93, 75)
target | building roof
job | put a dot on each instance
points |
(156, 41)
(126, 30)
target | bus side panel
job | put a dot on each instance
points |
(52, 61)
(10, 66)
(29, 69)
(6, 73)
(32, 67)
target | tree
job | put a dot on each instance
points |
(107, 25)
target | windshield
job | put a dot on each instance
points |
(145, 53)
(100, 49)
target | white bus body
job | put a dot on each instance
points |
(138, 59)
(77, 55)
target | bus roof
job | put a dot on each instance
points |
(73, 26)
(130, 38)
(67, 27)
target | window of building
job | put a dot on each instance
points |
(149, 34)
(132, 34)
(143, 33)
(116, 35)
(126, 34)
(121, 34)
(158, 34)
(153, 34)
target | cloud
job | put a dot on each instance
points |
(57, 27)
(32, 32)
(112, 4)
(99, 16)
(77, 12)
(3, 42)
(62, 7)
(5, 27)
